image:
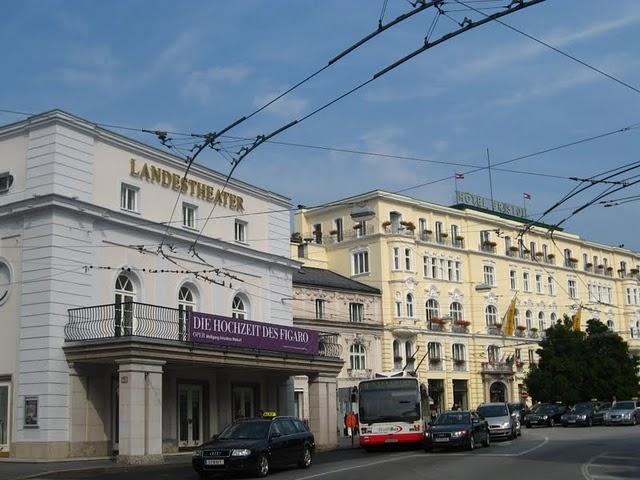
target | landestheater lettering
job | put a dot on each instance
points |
(166, 179)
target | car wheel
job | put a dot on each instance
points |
(552, 423)
(472, 443)
(487, 440)
(203, 476)
(634, 421)
(307, 459)
(590, 422)
(262, 469)
(528, 425)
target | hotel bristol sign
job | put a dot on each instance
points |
(233, 332)
(478, 201)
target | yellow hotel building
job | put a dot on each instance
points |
(447, 276)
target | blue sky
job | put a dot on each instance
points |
(195, 66)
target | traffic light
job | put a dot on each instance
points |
(354, 394)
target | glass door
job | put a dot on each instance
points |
(5, 432)
(244, 404)
(189, 415)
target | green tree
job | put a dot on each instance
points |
(577, 366)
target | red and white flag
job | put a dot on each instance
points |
(526, 196)
(459, 176)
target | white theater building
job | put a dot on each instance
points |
(96, 352)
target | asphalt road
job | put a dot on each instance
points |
(598, 453)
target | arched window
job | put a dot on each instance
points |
(397, 357)
(553, 318)
(610, 325)
(541, 321)
(125, 295)
(528, 319)
(409, 305)
(432, 309)
(493, 353)
(239, 308)
(186, 304)
(455, 310)
(517, 317)
(491, 314)
(357, 357)
(408, 354)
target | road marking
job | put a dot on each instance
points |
(584, 468)
(519, 454)
(362, 465)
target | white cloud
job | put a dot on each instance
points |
(90, 66)
(499, 58)
(202, 84)
(288, 106)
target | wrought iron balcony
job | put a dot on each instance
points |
(505, 368)
(142, 320)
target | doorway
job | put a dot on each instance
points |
(244, 401)
(498, 392)
(5, 431)
(189, 415)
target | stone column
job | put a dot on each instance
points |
(140, 411)
(323, 410)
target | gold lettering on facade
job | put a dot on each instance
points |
(167, 179)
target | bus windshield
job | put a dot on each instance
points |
(389, 400)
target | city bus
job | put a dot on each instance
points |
(390, 410)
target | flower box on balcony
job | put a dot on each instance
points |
(435, 360)
(462, 323)
(397, 358)
(539, 254)
(521, 328)
(588, 264)
(513, 248)
(551, 256)
(444, 234)
(497, 325)
(609, 269)
(357, 226)
(573, 260)
(634, 271)
(600, 266)
(490, 244)
(534, 329)
(427, 232)
(459, 238)
(458, 361)
(438, 321)
(386, 223)
(333, 232)
(527, 251)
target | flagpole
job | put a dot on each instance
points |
(490, 179)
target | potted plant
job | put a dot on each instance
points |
(526, 250)
(539, 254)
(397, 358)
(427, 231)
(434, 360)
(521, 328)
(573, 260)
(609, 269)
(444, 234)
(588, 264)
(296, 237)
(357, 226)
(462, 323)
(551, 256)
(386, 223)
(513, 248)
(459, 361)
(634, 271)
(601, 266)
(459, 238)
(333, 232)
(491, 243)
(497, 325)
(438, 321)
(410, 226)
(534, 329)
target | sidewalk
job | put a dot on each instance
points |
(13, 469)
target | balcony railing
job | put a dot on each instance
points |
(359, 373)
(497, 367)
(134, 319)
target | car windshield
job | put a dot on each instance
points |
(545, 409)
(581, 408)
(460, 418)
(245, 430)
(488, 411)
(624, 406)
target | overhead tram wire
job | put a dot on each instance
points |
(260, 139)
(555, 49)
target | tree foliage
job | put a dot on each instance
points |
(577, 366)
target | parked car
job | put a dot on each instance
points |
(598, 416)
(623, 413)
(521, 409)
(254, 446)
(545, 414)
(503, 423)
(581, 414)
(457, 429)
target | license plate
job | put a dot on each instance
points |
(391, 440)
(534, 421)
(214, 461)
(572, 421)
(441, 439)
